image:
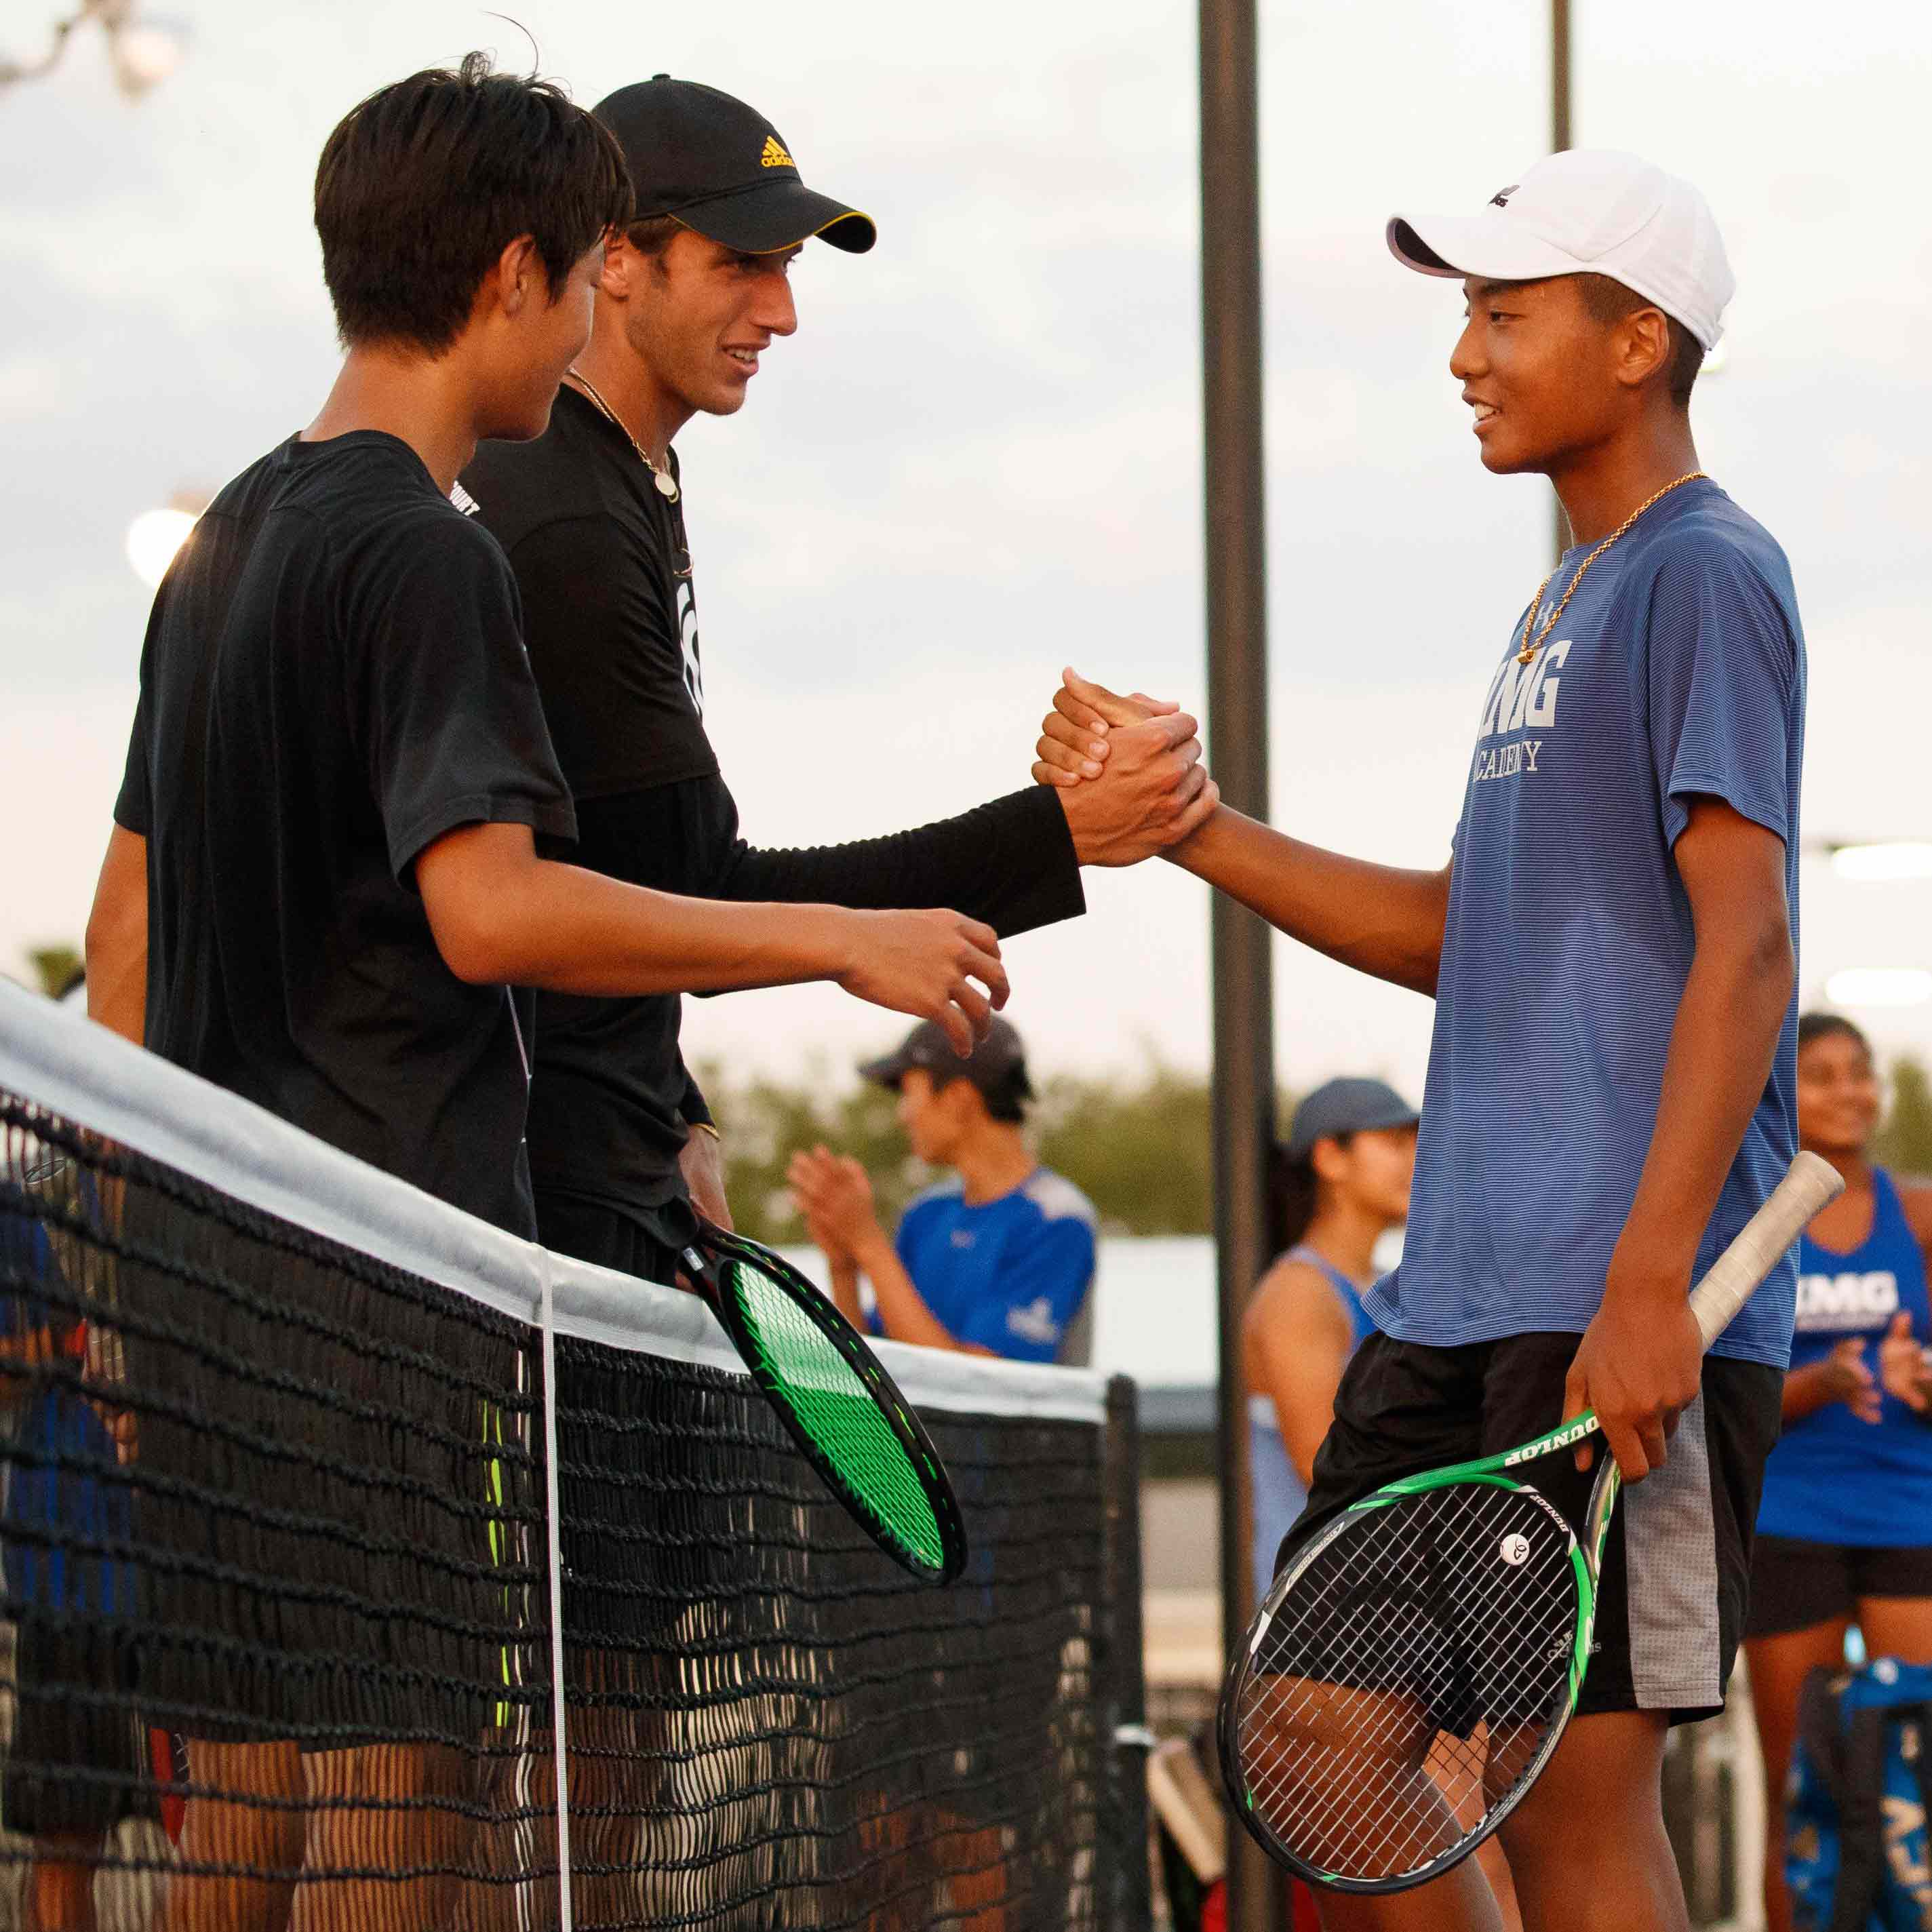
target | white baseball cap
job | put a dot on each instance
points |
(1587, 211)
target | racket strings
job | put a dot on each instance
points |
(1413, 1667)
(837, 1409)
(1438, 1668)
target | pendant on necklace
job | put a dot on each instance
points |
(666, 482)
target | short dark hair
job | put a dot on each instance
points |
(1006, 1103)
(1826, 1026)
(1293, 1192)
(422, 186)
(1608, 300)
(651, 234)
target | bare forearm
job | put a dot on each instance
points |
(1721, 1049)
(117, 939)
(1806, 1391)
(1381, 919)
(902, 1309)
(845, 1288)
(571, 930)
(117, 987)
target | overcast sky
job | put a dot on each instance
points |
(979, 456)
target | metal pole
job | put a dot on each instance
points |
(1559, 76)
(1231, 302)
(1559, 139)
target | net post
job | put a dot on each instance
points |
(1127, 1905)
(553, 1537)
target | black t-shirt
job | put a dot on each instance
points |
(333, 677)
(602, 559)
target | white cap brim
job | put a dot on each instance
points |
(1488, 246)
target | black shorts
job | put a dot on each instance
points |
(1795, 1584)
(1670, 1603)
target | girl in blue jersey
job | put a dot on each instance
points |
(1340, 1184)
(1844, 1533)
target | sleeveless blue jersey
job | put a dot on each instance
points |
(1833, 1478)
(1275, 1492)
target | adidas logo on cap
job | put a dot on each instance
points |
(774, 155)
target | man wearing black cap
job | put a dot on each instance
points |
(998, 1260)
(695, 290)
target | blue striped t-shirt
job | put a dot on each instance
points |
(1677, 671)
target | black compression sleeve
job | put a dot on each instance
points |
(1010, 863)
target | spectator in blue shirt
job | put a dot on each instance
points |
(998, 1259)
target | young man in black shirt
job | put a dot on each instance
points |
(693, 290)
(324, 870)
(591, 515)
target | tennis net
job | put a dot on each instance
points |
(298, 1462)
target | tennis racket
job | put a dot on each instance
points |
(836, 1401)
(1412, 1670)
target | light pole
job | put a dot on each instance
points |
(1237, 613)
(1866, 862)
(1872, 861)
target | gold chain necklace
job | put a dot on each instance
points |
(666, 482)
(1533, 639)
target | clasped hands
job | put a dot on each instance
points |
(1128, 770)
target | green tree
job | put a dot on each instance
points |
(1904, 1142)
(1139, 1149)
(56, 967)
(766, 1121)
(1138, 1144)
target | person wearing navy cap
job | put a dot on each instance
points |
(1339, 1184)
(997, 1259)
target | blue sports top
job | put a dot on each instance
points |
(1677, 672)
(1833, 1478)
(1276, 1493)
(1013, 1275)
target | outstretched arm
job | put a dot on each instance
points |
(502, 915)
(1014, 861)
(1381, 919)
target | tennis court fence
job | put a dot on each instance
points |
(300, 1467)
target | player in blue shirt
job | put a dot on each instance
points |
(1612, 949)
(1844, 1533)
(996, 1260)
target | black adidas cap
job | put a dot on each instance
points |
(720, 168)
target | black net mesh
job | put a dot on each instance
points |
(276, 1645)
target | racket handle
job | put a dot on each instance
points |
(1807, 1186)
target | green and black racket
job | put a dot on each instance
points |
(836, 1401)
(1412, 1669)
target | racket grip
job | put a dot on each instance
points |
(1808, 1184)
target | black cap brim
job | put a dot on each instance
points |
(778, 215)
(886, 1072)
